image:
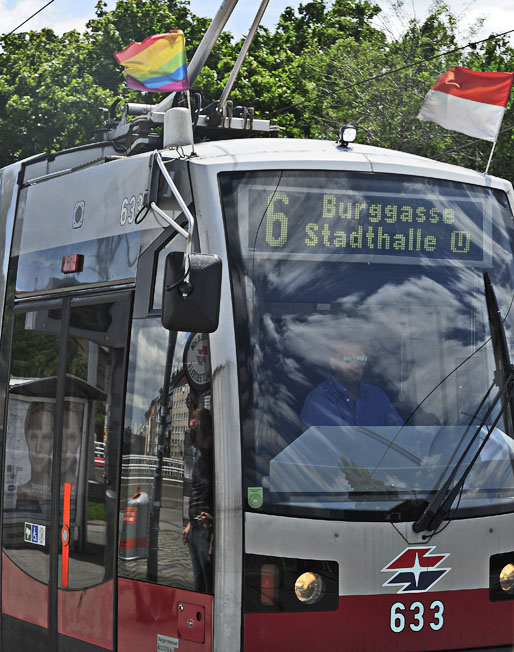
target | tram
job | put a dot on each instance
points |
(146, 283)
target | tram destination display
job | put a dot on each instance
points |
(369, 226)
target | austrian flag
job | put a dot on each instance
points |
(468, 101)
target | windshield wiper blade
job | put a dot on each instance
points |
(500, 350)
(439, 507)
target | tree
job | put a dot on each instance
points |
(357, 84)
(52, 88)
(276, 74)
(48, 98)
(324, 65)
(495, 54)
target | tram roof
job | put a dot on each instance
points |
(254, 153)
(273, 153)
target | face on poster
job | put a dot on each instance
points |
(29, 454)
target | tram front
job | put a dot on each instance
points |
(375, 402)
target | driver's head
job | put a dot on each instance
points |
(348, 362)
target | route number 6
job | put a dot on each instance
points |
(416, 621)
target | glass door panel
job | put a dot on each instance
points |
(29, 441)
(66, 390)
(89, 468)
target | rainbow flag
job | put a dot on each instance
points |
(157, 64)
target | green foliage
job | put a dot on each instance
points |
(321, 27)
(96, 511)
(48, 98)
(34, 354)
(361, 479)
(352, 88)
(322, 66)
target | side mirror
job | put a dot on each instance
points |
(194, 304)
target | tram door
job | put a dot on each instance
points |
(61, 468)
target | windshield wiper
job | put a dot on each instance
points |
(500, 350)
(440, 505)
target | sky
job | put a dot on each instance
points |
(63, 15)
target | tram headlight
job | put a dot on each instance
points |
(309, 588)
(507, 578)
(501, 576)
(290, 584)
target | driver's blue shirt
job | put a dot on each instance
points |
(329, 404)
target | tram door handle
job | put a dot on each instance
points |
(65, 534)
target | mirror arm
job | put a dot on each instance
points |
(168, 219)
(188, 235)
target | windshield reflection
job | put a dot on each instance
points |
(318, 438)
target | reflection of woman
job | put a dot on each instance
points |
(39, 435)
(198, 532)
(71, 438)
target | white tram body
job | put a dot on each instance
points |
(322, 246)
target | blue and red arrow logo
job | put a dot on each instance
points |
(416, 569)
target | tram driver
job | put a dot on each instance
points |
(343, 399)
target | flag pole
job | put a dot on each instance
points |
(191, 116)
(490, 156)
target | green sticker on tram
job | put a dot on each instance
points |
(255, 497)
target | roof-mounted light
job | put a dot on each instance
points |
(347, 134)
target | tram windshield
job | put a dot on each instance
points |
(367, 373)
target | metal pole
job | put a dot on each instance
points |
(152, 567)
(490, 157)
(204, 49)
(211, 36)
(191, 115)
(242, 54)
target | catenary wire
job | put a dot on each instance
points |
(29, 18)
(471, 142)
(405, 67)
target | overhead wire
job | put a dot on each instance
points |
(29, 18)
(417, 62)
(363, 81)
(471, 142)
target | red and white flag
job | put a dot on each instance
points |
(468, 101)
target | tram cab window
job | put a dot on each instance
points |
(159, 457)
(394, 265)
